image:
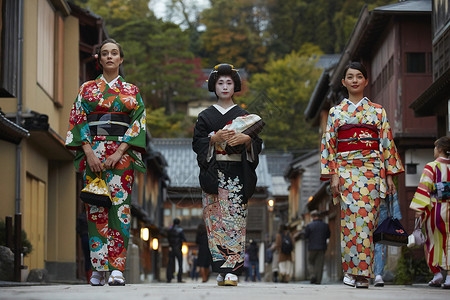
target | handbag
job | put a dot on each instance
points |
(96, 193)
(390, 231)
(417, 238)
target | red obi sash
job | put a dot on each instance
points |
(357, 137)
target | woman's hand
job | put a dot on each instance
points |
(114, 158)
(238, 139)
(334, 184)
(390, 185)
(222, 135)
(93, 161)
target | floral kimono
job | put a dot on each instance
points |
(225, 212)
(359, 147)
(105, 115)
(436, 213)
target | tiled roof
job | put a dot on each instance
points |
(182, 163)
(10, 131)
(407, 6)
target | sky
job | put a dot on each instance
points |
(159, 6)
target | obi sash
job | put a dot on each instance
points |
(108, 123)
(357, 137)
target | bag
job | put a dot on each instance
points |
(96, 193)
(390, 231)
(417, 238)
(286, 244)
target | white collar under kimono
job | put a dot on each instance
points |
(112, 82)
(359, 103)
(223, 110)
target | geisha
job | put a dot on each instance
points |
(227, 158)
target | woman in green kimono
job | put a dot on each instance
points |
(107, 128)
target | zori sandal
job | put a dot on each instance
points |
(97, 279)
(116, 279)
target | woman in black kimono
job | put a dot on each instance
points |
(227, 160)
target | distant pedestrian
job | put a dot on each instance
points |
(317, 232)
(254, 261)
(284, 246)
(83, 232)
(381, 249)
(176, 238)
(204, 259)
(227, 158)
(432, 205)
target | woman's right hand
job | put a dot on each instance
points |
(222, 135)
(93, 161)
(334, 184)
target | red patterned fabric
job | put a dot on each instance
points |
(356, 133)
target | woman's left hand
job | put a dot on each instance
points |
(390, 185)
(238, 139)
(113, 159)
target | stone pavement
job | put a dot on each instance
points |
(209, 290)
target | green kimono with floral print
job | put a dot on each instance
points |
(109, 227)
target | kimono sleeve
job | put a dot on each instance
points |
(422, 197)
(328, 148)
(135, 136)
(201, 142)
(391, 158)
(78, 132)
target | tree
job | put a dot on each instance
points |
(235, 33)
(280, 96)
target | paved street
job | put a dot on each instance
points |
(245, 291)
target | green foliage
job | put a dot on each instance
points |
(235, 34)
(162, 125)
(27, 247)
(280, 96)
(410, 269)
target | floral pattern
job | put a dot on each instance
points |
(109, 227)
(224, 214)
(362, 176)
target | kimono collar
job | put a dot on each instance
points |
(112, 82)
(223, 110)
(443, 160)
(360, 103)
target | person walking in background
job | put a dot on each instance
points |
(83, 232)
(317, 232)
(254, 261)
(227, 159)
(432, 205)
(359, 156)
(381, 249)
(275, 262)
(176, 238)
(112, 150)
(284, 247)
(204, 256)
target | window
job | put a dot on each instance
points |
(9, 27)
(46, 47)
(416, 62)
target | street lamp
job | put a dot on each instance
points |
(270, 204)
(145, 234)
(155, 244)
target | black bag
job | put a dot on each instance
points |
(390, 231)
(96, 193)
(286, 244)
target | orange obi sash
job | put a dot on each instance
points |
(357, 137)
